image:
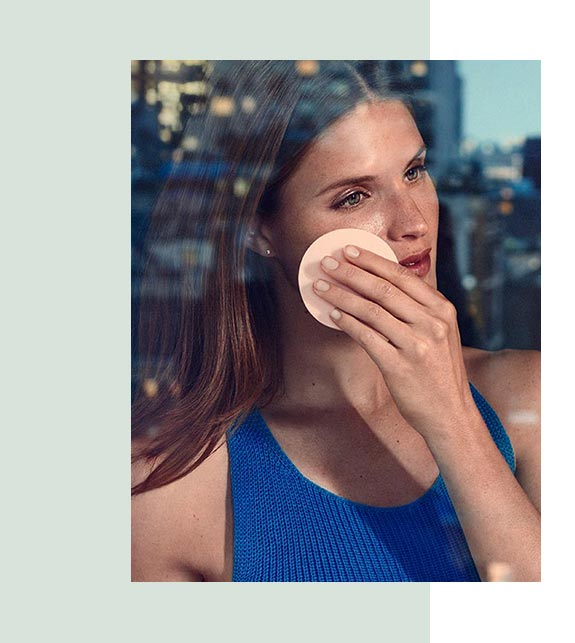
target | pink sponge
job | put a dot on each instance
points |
(333, 244)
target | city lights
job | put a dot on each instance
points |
(419, 68)
(490, 189)
(190, 143)
(241, 187)
(150, 387)
(469, 282)
(307, 67)
(168, 89)
(248, 104)
(197, 88)
(222, 105)
(169, 117)
(171, 65)
(151, 96)
(505, 208)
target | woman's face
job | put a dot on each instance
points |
(365, 171)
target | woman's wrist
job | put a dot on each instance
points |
(456, 433)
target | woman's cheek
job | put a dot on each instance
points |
(374, 223)
(429, 199)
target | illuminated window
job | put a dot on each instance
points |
(190, 143)
(307, 67)
(469, 282)
(171, 65)
(502, 173)
(248, 104)
(195, 88)
(168, 117)
(167, 89)
(151, 96)
(150, 387)
(222, 105)
(419, 68)
(534, 263)
(241, 187)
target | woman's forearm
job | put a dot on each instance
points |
(500, 523)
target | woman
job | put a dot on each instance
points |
(273, 448)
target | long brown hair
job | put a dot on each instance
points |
(207, 333)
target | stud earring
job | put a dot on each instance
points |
(268, 252)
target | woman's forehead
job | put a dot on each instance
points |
(371, 134)
(386, 119)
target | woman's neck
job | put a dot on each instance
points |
(325, 369)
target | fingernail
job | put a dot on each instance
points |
(335, 314)
(352, 251)
(330, 263)
(320, 284)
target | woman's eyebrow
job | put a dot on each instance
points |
(342, 182)
(367, 177)
(419, 152)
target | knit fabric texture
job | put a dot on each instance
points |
(289, 529)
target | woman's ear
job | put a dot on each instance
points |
(258, 239)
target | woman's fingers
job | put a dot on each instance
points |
(391, 300)
(383, 353)
(398, 275)
(375, 288)
(365, 311)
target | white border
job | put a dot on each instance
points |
(495, 30)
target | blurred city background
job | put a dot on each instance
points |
(487, 173)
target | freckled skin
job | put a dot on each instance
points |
(375, 139)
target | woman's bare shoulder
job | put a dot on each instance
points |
(507, 378)
(179, 530)
(510, 380)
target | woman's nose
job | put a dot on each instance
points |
(408, 218)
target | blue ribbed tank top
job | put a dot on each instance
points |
(289, 529)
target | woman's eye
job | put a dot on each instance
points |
(351, 200)
(415, 172)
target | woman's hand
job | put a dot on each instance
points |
(410, 331)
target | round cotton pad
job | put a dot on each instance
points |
(332, 244)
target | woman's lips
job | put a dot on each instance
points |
(419, 264)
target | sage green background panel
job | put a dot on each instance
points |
(302, 29)
(288, 612)
(66, 329)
